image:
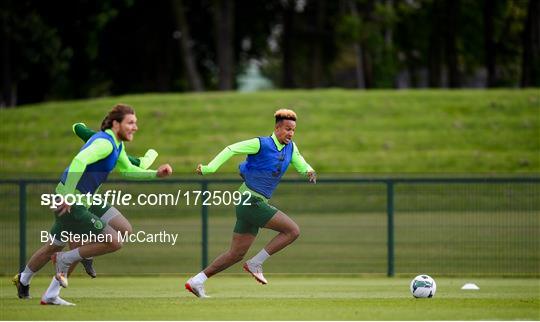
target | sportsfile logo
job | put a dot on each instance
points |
(120, 198)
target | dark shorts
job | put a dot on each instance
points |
(80, 220)
(249, 218)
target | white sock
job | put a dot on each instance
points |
(200, 278)
(53, 290)
(260, 257)
(26, 276)
(72, 255)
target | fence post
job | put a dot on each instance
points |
(204, 217)
(390, 213)
(22, 225)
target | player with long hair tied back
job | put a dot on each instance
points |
(103, 152)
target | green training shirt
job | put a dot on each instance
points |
(85, 133)
(97, 150)
(252, 146)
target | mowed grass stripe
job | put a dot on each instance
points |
(285, 298)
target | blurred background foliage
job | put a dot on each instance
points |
(78, 49)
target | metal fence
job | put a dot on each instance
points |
(466, 225)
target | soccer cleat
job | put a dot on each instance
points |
(23, 291)
(196, 288)
(62, 268)
(256, 271)
(55, 301)
(88, 264)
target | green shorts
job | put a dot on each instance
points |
(249, 218)
(80, 220)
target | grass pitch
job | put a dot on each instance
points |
(287, 297)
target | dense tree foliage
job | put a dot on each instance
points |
(76, 49)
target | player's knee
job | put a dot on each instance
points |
(294, 233)
(127, 230)
(115, 244)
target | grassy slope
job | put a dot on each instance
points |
(429, 131)
(285, 298)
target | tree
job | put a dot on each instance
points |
(435, 47)
(531, 46)
(186, 46)
(287, 45)
(490, 49)
(354, 20)
(451, 35)
(317, 43)
(224, 18)
(32, 54)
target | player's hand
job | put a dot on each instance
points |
(312, 176)
(62, 209)
(164, 170)
(199, 169)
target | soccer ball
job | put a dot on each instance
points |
(423, 286)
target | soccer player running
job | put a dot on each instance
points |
(144, 162)
(88, 170)
(105, 213)
(267, 160)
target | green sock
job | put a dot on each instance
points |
(83, 131)
(134, 161)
